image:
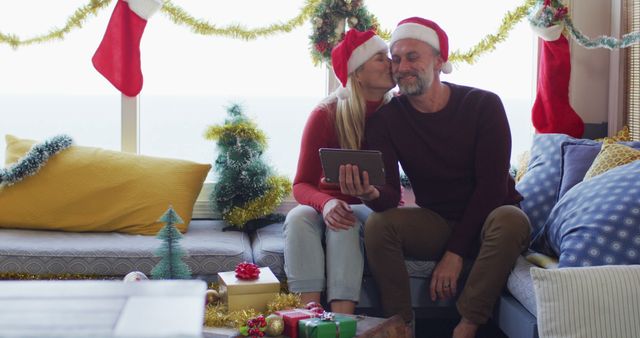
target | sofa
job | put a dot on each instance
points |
(585, 230)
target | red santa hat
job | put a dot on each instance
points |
(352, 52)
(426, 31)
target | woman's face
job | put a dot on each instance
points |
(375, 74)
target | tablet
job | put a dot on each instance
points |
(366, 160)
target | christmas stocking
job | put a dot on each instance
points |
(118, 56)
(552, 112)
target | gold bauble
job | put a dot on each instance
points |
(211, 297)
(275, 325)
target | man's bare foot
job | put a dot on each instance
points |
(465, 329)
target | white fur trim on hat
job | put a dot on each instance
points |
(416, 31)
(144, 8)
(551, 33)
(447, 68)
(364, 52)
(343, 93)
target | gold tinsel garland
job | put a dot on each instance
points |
(219, 316)
(74, 21)
(175, 14)
(181, 17)
(246, 129)
(50, 276)
(279, 187)
(202, 27)
(489, 42)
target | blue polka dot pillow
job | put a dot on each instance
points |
(597, 222)
(540, 185)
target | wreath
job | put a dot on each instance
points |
(328, 21)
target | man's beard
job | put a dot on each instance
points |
(418, 87)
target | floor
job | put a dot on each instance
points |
(442, 328)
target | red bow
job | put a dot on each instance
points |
(247, 271)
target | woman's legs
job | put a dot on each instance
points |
(303, 252)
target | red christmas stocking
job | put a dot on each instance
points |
(552, 112)
(118, 56)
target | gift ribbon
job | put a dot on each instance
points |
(325, 317)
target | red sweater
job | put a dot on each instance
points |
(320, 132)
(457, 159)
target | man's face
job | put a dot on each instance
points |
(413, 66)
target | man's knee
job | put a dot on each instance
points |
(510, 223)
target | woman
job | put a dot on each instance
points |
(361, 64)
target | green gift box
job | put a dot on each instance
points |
(337, 327)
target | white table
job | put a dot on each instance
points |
(101, 308)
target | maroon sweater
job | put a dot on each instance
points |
(320, 132)
(457, 159)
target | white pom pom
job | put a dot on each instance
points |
(343, 93)
(447, 68)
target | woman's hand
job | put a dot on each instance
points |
(338, 215)
(351, 185)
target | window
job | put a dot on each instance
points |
(52, 88)
(632, 75)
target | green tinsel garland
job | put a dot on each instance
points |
(34, 159)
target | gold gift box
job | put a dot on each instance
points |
(254, 294)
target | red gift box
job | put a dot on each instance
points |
(291, 319)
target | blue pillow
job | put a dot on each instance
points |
(576, 161)
(597, 222)
(539, 186)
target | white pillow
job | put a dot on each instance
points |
(599, 302)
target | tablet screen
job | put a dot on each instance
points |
(366, 160)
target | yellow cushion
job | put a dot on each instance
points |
(610, 156)
(92, 189)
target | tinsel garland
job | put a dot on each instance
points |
(62, 276)
(202, 27)
(279, 187)
(607, 42)
(245, 129)
(218, 315)
(489, 42)
(34, 159)
(175, 14)
(76, 20)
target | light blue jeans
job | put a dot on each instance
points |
(305, 258)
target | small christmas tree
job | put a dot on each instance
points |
(246, 193)
(170, 252)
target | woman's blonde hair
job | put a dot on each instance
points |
(350, 114)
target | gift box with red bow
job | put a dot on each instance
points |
(242, 290)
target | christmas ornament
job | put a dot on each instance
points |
(134, 276)
(34, 159)
(275, 325)
(312, 305)
(118, 56)
(255, 327)
(211, 297)
(247, 271)
(329, 19)
(170, 252)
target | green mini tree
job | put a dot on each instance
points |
(170, 252)
(246, 193)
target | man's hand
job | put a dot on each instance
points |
(351, 185)
(444, 280)
(338, 215)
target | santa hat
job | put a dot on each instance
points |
(425, 31)
(352, 52)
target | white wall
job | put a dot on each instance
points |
(589, 86)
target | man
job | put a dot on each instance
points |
(454, 144)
